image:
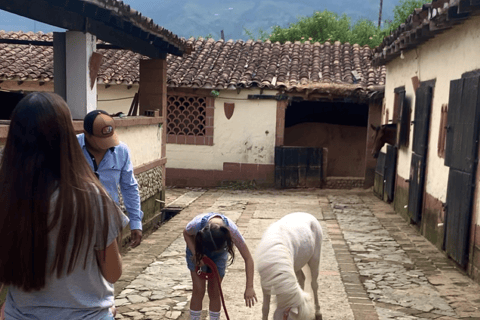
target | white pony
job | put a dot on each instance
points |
(287, 246)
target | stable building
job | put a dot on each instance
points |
(255, 113)
(432, 93)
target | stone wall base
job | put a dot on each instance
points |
(152, 215)
(152, 195)
(343, 183)
(400, 199)
(433, 218)
(253, 174)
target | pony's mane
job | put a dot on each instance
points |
(275, 265)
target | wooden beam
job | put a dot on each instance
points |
(26, 86)
(82, 16)
(454, 14)
(50, 43)
(464, 6)
(415, 83)
(188, 92)
(60, 64)
(127, 41)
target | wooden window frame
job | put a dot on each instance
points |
(402, 117)
(442, 135)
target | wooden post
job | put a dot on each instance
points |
(153, 96)
(59, 64)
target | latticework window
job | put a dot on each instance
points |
(189, 120)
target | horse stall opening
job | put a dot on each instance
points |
(340, 127)
(9, 102)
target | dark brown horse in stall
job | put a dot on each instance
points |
(386, 133)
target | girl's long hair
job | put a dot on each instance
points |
(213, 237)
(42, 156)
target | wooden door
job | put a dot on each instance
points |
(461, 156)
(298, 167)
(389, 173)
(379, 183)
(423, 102)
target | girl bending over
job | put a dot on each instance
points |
(213, 235)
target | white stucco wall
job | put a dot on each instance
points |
(115, 98)
(144, 142)
(444, 58)
(248, 137)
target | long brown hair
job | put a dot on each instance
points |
(42, 156)
(213, 237)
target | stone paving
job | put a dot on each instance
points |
(404, 275)
(374, 265)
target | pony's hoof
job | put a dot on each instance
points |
(318, 317)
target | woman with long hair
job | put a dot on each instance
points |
(58, 226)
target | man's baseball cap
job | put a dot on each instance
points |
(101, 128)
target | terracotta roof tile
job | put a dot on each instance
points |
(215, 64)
(423, 24)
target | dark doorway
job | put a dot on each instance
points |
(340, 127)
(9, 101)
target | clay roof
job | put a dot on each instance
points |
(110, 20)
(216, 65)
(424, 23)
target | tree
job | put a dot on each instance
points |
(262, 34)
(329, 26)
(404, 9)
(325, 26)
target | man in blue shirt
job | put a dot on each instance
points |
(110, 160)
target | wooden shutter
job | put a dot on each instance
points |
(403, 124)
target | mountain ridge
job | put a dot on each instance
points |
(196, 18)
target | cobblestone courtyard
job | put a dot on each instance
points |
(374, 265)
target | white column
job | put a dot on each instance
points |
(81, 94)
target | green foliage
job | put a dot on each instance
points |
(328, 26)
(404, 9)
(239, 185)
(321, 26)
(262, 34)
(364, 32)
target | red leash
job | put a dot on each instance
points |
(212, 275)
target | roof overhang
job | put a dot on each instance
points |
(109, 20)
(423, 24)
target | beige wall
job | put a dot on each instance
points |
(248, 137)
(112, 100)
(144, 142)
(443, 58)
